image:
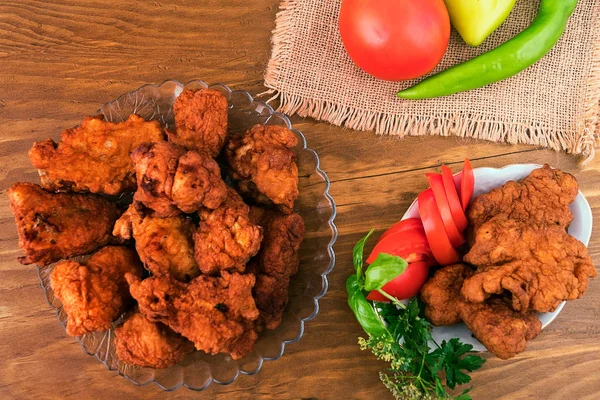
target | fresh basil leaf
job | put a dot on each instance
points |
(363, 310)
(358, 253)
(385, 268)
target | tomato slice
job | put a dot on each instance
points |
(442, 249)
(467, 184)
(439, 193)
(402, 244)
(453, 200)
(404, 225)
(405, 285)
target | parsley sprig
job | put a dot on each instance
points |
(400, 335)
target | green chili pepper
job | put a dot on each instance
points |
(363, 310)
(504, 61)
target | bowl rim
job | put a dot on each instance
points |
(324, 281)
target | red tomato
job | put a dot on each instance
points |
(406, 285)
(395, 39)
(467, 184)
(402, 244)
(442, 249)
(437, 187)
(402, 226)
(453, 200)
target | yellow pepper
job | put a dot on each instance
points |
(475, 20)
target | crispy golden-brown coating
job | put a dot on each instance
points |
(226, 238)
(543, 197)
(56, 226)
(283, 234)
(144, 343)
(94, 292)
(200, 120)
(441, 294)
(502, 330)
(164, 245)
(264, 166)
(211, 312)
(275, 263)
(539, 265)
(171, 180)
(271, 297)
(94, 156)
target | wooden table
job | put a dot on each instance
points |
(62, 59)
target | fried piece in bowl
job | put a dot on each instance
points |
(539, 266)
(94, 292)
(212, 312)
(227, 238)
(171, 180)
(94, 157)
(144, 343)
(264, 166)
(503, 331)
(276, 262)
(541, 198)
(200, 120)
(53, 226)
(164, 245)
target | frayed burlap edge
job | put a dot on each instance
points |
(467, 125)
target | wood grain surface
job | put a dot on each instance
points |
(62, 59)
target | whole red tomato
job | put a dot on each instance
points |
(395, 39)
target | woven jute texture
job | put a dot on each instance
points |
(554, 103)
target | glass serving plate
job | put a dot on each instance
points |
(317, 257)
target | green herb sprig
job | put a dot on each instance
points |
(400, 335)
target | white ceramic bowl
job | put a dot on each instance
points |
(487, 179)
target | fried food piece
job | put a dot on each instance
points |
(226, 238)
(264, 166)
(276, 262)
(171, 180)
(144, 343)
(441, 294)
(164, 245)
(200, 120)
(212, 312)
(94, 292)
(542, 198)
(94, 157)
(271, 297)
(56, 226)
(540, 266)
(283, 234)
(503, 331)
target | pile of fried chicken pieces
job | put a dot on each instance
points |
(189, 262)
(521, 261)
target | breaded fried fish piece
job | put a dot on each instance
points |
(53, 226)
(171, 180)
(94, 156)
(200, 120)
(227, 238)
(264, 166)
(144, 343)
(164, 245)
(94, 292)
(212, 312)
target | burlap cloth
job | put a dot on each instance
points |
(553, 104)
